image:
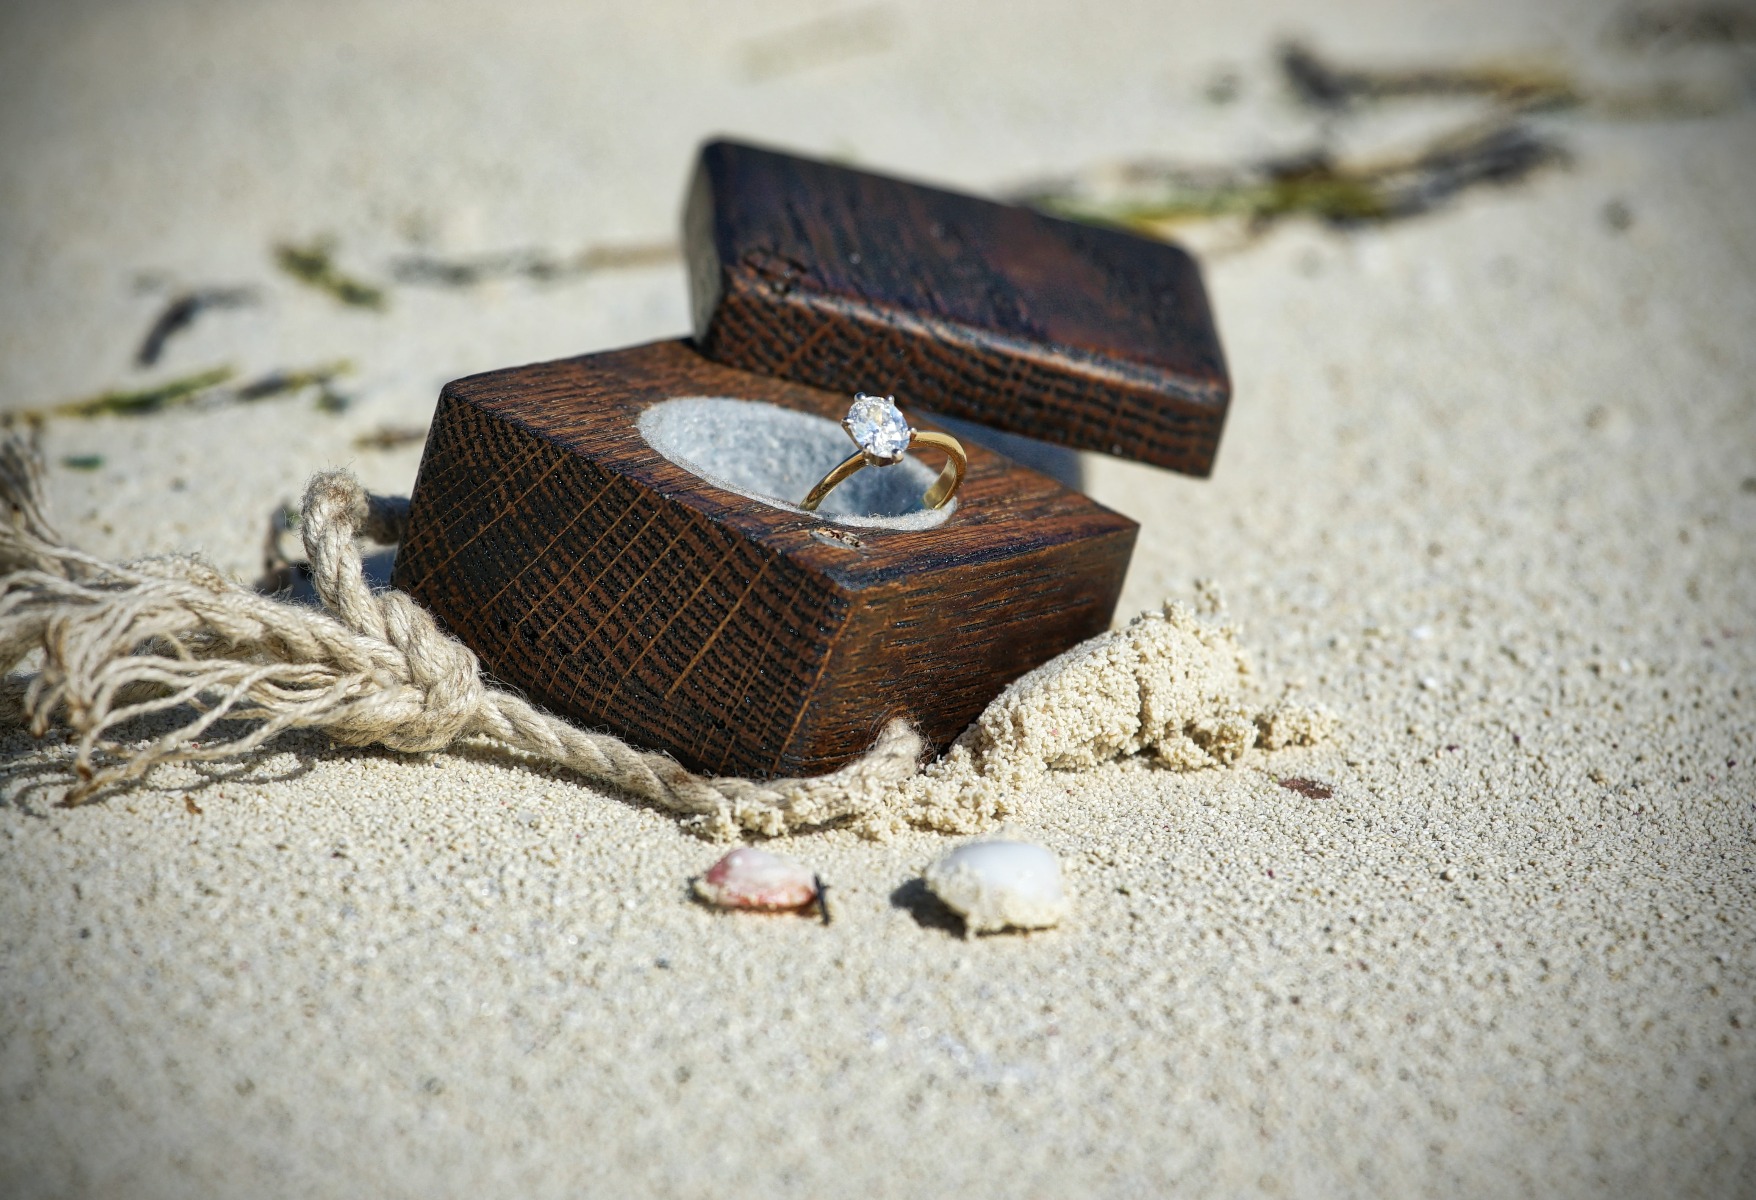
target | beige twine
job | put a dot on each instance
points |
(121, 641)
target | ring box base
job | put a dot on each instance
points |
(622, 590)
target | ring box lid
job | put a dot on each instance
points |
(1083, 336)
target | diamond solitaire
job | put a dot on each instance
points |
(877, 428)
(882, 435)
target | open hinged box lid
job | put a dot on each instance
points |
(619, 535)
(1067, 333)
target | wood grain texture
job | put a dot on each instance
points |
(1068, 333)
(621, 590)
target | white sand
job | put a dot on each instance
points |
(1486, 492)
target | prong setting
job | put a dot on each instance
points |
(877, 427)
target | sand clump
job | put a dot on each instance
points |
(1174, 683)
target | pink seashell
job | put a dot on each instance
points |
(751, 878)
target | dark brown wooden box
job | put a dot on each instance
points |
(630, 592)
(627, 593)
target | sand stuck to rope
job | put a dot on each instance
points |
(171, 635)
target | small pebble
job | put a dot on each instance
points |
(1000, 885)
(751, 878)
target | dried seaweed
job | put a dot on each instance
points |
(1500, 150)
(208, 389)
(180, 312)
(1524, 87)
(1145, 196)
(182, 390)
(1497, 155)
(1530, 87)
(1669, 25)
(538, 265)
(280, 383)
(313, 264)
(391, 437)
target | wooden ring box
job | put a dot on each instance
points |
(660, 599)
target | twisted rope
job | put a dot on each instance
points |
(121, 641)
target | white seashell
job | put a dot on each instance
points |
(751, 878)
(1000, 885)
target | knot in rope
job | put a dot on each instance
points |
(433, 693)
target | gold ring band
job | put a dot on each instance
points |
(883, 437)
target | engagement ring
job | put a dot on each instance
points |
(883, 437)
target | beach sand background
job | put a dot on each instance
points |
(1488, 492)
